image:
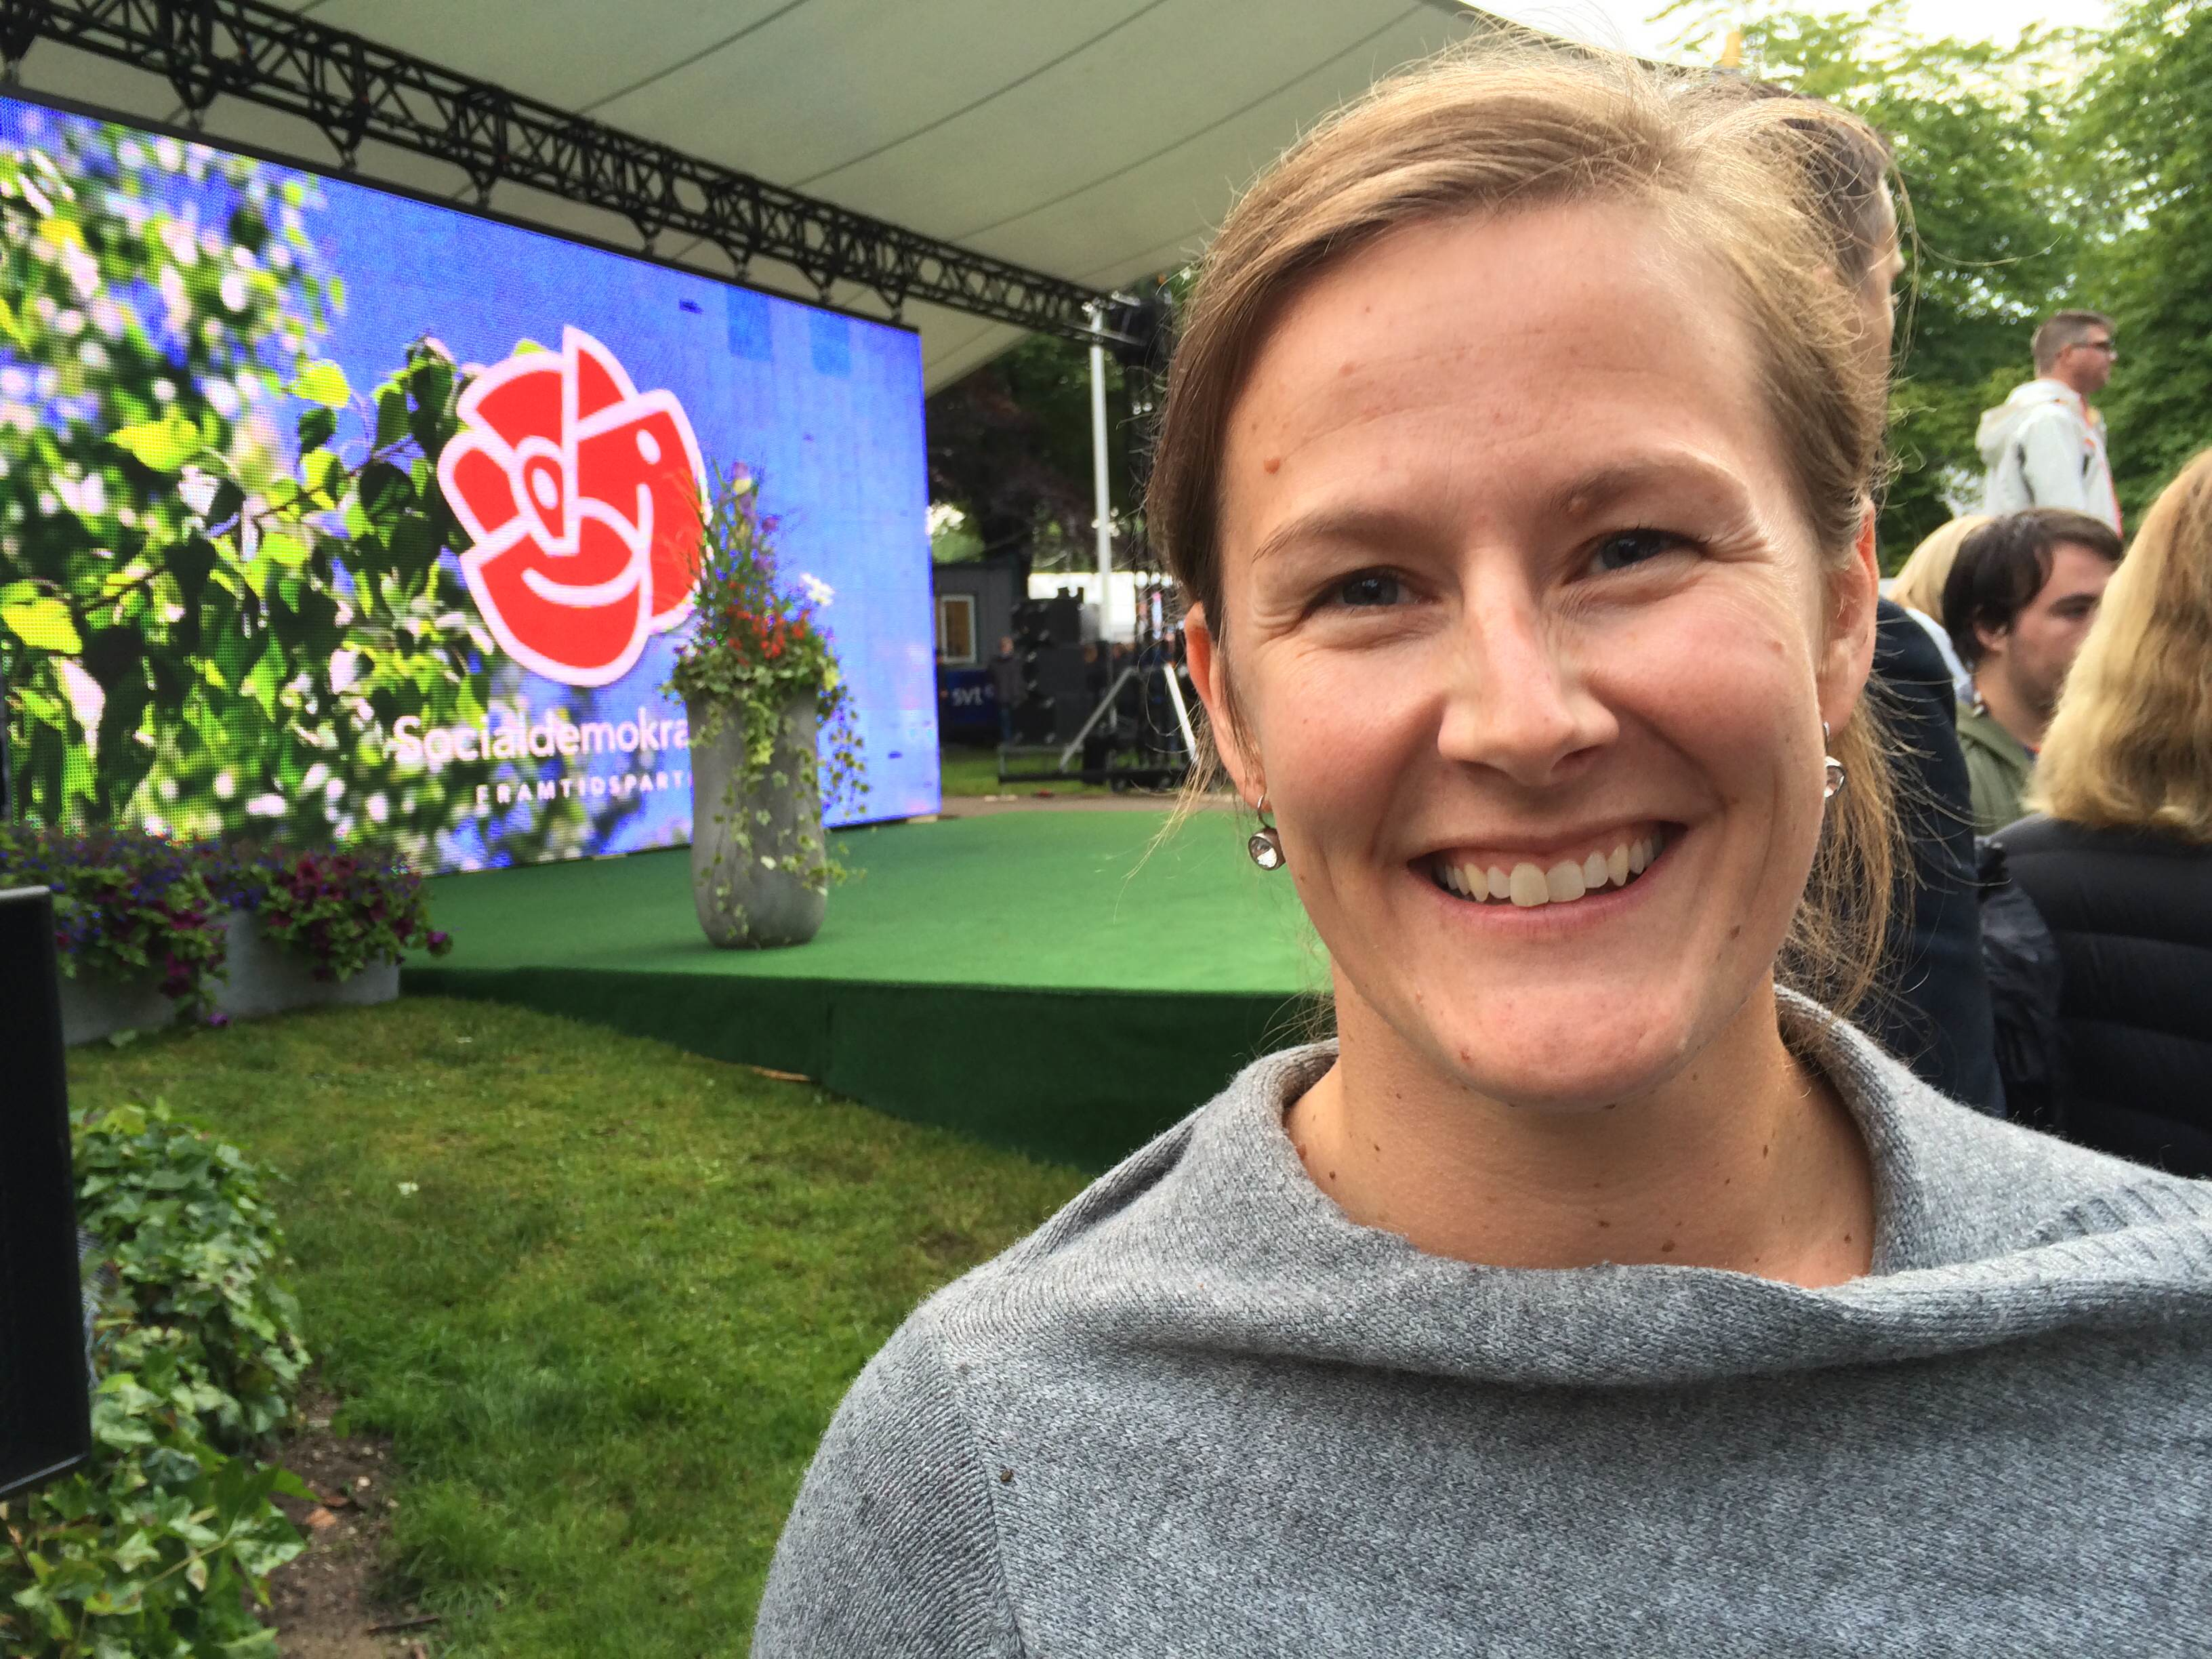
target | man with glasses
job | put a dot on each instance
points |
(2044, 445)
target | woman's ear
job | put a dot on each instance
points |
(1848, 658)
(1210, 674)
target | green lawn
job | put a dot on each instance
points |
(604, 1295)
(966, 771)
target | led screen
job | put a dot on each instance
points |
(328, 513)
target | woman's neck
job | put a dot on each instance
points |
(1745, 1159)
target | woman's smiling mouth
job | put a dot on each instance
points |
(1529, 880)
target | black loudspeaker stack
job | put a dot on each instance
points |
(45, 1425)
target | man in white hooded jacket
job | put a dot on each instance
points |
(2044, 445)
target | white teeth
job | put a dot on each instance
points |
(1528, 885)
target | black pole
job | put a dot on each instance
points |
(6, 761)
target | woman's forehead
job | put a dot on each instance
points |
(1515, 348)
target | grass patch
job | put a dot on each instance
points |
(610, 1320)
(964, 771)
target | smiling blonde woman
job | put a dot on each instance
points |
(1594, 1290)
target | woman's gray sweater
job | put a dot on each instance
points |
(1202, 1412)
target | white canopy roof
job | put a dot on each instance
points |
(1095, 140)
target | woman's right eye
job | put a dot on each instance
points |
(1369, 587)
(1627, 549)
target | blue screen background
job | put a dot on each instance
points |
(825, 409)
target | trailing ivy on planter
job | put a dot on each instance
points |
(153, 1547)
(343, 912)
(754, 665)
(129, 907)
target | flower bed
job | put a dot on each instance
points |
(131, 909)
(342, 914)
(147, 928)
(156, 1544)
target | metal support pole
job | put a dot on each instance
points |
(1099, 486)
(1104, 709)
(1181, 710)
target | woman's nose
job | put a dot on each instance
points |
(1516, 700)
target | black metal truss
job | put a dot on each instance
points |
(354, 90)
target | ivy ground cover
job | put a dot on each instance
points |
(603, 1295)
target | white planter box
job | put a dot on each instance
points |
(263, 978)
(96, 1008)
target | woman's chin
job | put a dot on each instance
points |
(1568, 1059)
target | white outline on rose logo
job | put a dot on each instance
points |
(570, 576)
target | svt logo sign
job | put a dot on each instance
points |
(582, 497)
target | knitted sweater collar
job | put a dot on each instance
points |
(1986, 1235)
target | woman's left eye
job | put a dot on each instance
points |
(1624, 549)
(1369, 587)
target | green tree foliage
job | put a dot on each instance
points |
(2144, 149)
(220, 571)
(1997, 240)
(1009, 447)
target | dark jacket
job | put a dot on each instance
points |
(2132, 914)
(1937, 1020)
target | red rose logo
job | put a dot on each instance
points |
(582, 496)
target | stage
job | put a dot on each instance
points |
(1018, 977)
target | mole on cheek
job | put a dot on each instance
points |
(1273, 464)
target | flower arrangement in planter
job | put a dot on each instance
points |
(773, 737)
(147, 928)
(343, 913)
(132, 910)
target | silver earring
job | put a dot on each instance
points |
(1834, 767)
(1266, 845)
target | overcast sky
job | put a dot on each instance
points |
(1625, 22)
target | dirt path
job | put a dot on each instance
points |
(324, 1603)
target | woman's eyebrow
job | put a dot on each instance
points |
(1338, 522)
(1583, 495)
(1604, 486)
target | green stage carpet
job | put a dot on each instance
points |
(1031, 978)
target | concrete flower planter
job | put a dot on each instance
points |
(96, 1008)
(261, 977)
(743, 903)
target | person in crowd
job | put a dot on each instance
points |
(2017, 604)
(2045, 445)
(1918, 587)
(2118, 857)
(1006, 685)
(1598, 1286)
(1935, 1013)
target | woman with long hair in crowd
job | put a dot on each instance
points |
(1598, 1287)
(2118, 857)
(1918, 587)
